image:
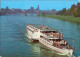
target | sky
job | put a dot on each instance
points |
(43, 4)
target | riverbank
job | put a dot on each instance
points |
(67, 18)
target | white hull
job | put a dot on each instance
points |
(58, 50)
(30, 35)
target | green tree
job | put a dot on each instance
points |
(78, 11)
(71, 12)
(64, 11)
(43, 13)
(78, 4)
(75, 13)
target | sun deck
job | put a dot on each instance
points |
(38, 26)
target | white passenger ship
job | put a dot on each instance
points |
(49, 38)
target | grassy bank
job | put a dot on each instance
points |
(68, 18)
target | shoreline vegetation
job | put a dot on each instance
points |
(72, 14)
(63, 17)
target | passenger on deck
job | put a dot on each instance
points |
(56, 43)
(51, 34)
(56, 35)
(66, 43)
(62, 43)
(61, 35)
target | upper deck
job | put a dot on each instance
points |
(42, 28)
(45, 31)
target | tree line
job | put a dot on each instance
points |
(73, 11)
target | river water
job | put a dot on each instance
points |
(14, 43)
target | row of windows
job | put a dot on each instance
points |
(30, 30)
(48, 43)
(33, 27)
(45, 38)
(35, 30)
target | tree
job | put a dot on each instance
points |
(59, 12)
(74, 10)
(71, 10)
(78, 4)
(64, 11)
(78, 11)
(75, 13)
(43, 13)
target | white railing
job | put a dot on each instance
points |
(48, 36)
(44, 35)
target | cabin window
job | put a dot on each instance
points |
(41, 36)
(50, 39)
(57, 40)
(49, 31)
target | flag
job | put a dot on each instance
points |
(43, 26)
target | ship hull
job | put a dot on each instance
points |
(56, 49)
(30, 35)
(45, 35)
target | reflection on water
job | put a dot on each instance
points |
(15, 44)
